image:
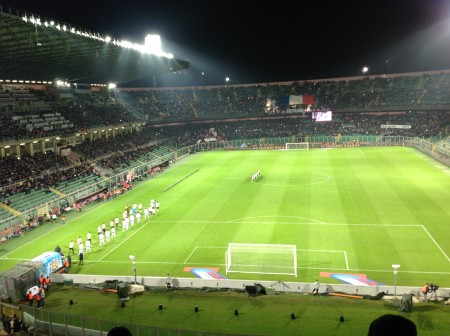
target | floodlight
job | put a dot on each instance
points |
(126, 44)
(227, 80)
(153, 42)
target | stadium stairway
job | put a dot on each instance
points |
(57, 192)
(443, 145)
(194, 110)
(130, 108)
(6, 207)
(74, 158)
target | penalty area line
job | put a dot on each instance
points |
(190, 254)
(201, 247)
(346, 259)
(435, 243)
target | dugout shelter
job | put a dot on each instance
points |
(16, 281)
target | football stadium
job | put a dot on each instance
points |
(309, 207)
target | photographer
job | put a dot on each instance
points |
(425, 290)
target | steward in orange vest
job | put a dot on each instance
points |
(30, 298)
(39, 300)
(47, 283)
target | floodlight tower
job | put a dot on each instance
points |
(227, 79)
(203, 79)
(395, 267)
(364, 70)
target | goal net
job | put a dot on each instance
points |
(261, 259)
(297, 145)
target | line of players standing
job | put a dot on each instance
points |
(130, 216)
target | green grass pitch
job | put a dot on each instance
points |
(355, 210)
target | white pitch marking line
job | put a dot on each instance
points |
(435, 242)
(290, 217)
(299, 267)
(45, 234)
(189, 256)
(289, 223)
(326, 251)
(346, 259)
(124, 240)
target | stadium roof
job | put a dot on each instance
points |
(40, 49)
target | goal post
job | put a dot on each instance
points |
(297, 145)
(261, 259)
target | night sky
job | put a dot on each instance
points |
(253, 42)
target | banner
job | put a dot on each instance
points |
(396, 126)
(296, 110)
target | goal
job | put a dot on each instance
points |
(261, 259)
(297, 145)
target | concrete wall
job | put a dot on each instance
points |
(278, 286)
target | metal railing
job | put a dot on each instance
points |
(45, 322)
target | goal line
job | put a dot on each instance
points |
(297, 145)
(261, 258)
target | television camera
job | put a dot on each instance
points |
(432, 287)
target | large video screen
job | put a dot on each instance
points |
(322, 116)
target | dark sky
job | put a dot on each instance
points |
(255, 41)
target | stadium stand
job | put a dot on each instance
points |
(35, 173)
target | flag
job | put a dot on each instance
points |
(295, 100)
(309, 100)
(285, 101)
